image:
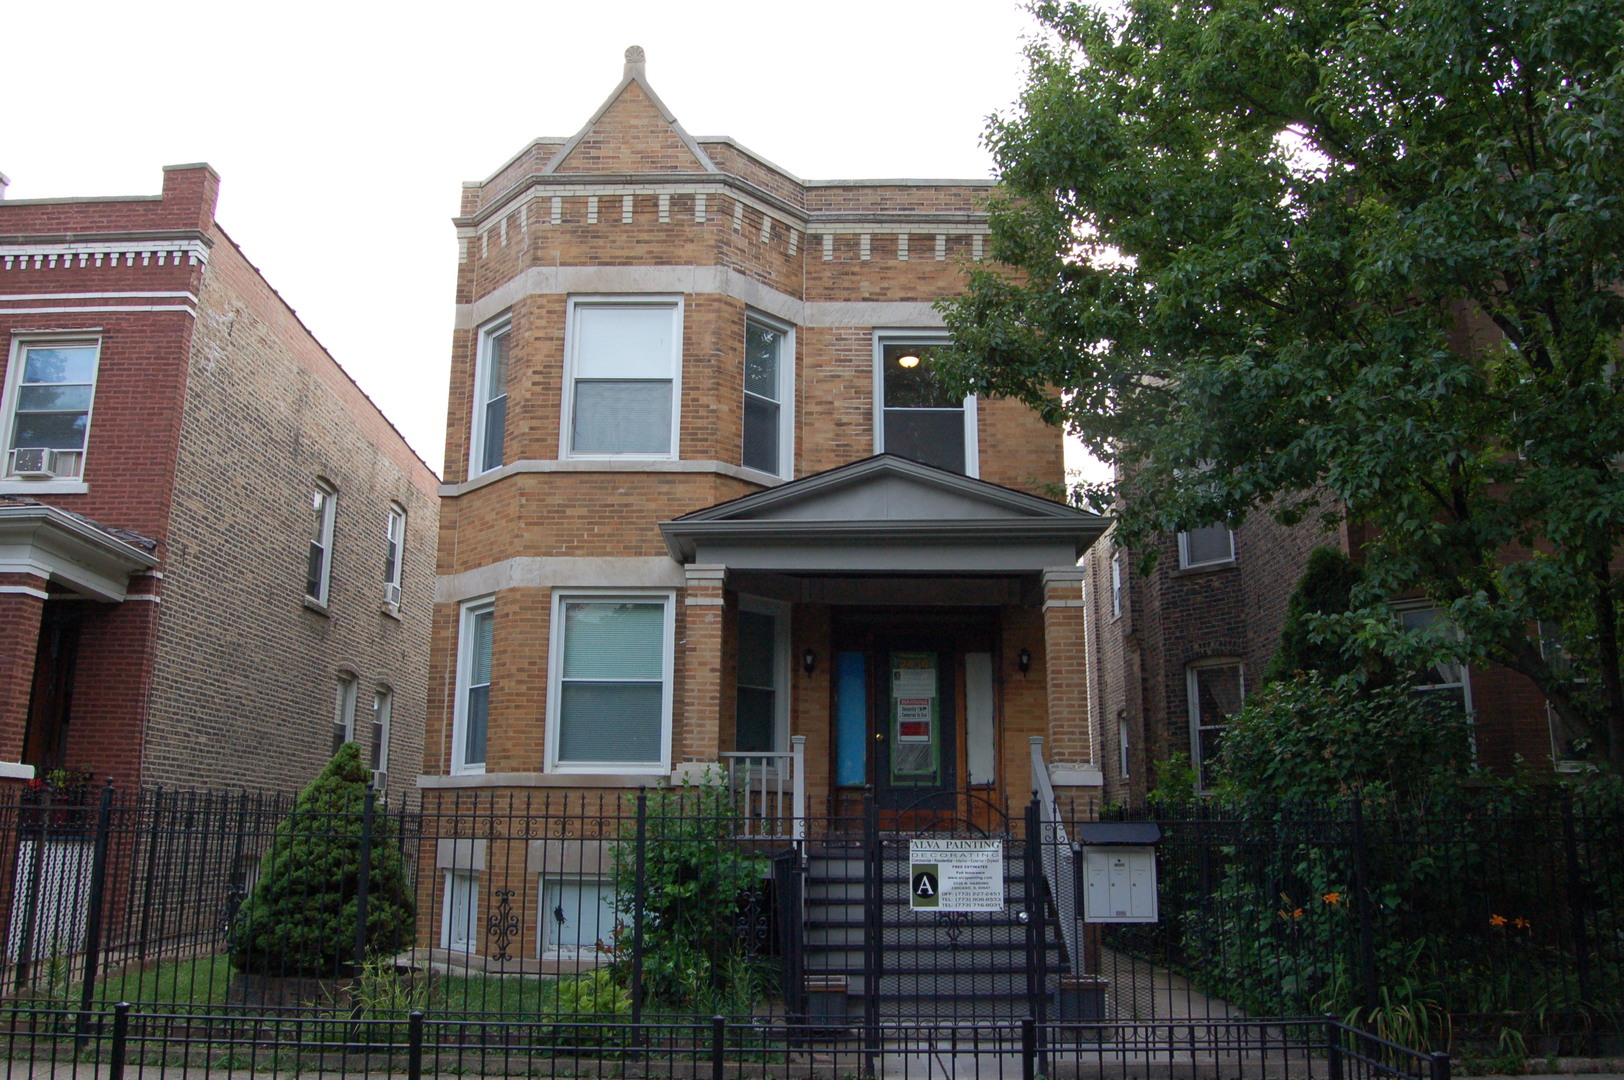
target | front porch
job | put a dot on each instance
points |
(885, 626)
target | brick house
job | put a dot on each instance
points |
(706, 507)
(214, 550)
(1176, 650)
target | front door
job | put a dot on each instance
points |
(913, 721)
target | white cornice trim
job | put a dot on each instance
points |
(557, 571)
(694, 280)
(49, 255)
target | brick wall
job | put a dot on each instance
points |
(629, 211)
(268, 412)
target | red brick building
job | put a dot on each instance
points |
(213, 547)
(1174, 651)
(706, 506)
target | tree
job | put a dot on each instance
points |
(1325, 589)
(1353, 260)
(301, 917)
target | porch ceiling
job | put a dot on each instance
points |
(885, 515)
(68, 549)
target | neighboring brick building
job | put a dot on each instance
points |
(685, 516)
(1174, 651)
(197, 507)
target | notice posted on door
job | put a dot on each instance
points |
(956, 875)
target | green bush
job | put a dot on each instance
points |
(697, 879)
(301, 917)
(1326, 588)
(1309, 738)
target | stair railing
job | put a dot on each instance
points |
(1059, 867)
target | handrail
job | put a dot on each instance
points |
(769, 790)
(1059, 865)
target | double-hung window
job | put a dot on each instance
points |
(1444, 678)
(610, 701)
(624, 378)
(1118, 574)
(917, 417)
(394, 546)
(1216, 689)
(383, 705)
(1210, 545)
(48, 411)
(344, 712)
(768, 396)
(471, 719)
(319, 562)
(490, 398)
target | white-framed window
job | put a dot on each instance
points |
(489, 427)
(1122, 744)
(761, 724)
(1210, 545)
(1568, 754)
(1118, 579)
(471, 715)
(609, 690)
(623, 377)
(915, 416)
(344, 711)
(383, 707)
(577, 917)
(1216, 688)
(459, 922)
(319, 564)
(1444, 677)
(47, 406)
(769, 396)
(394, 551)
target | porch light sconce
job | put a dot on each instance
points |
(1023, 660)
(809, 660)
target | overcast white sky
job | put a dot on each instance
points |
(342, 131)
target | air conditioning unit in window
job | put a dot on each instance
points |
(380, 780)
(391, 595)
(34, 462)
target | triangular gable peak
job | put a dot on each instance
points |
(632, 131)
(885, 513)
(886, 488)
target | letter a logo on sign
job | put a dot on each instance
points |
(926, 890)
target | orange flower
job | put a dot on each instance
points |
(1332, 898)
(1297, 914)
(1497, 920)
(1521, 924)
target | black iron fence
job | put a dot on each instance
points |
(1494, 923)
(493, 931)
(134, 1042)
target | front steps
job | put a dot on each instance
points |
(933, 966)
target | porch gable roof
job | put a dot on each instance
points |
(885, 514)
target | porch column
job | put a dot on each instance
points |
(702, 668)
(22, 605)
(1070, 745)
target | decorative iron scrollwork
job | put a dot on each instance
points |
(754, 921)
(954, 923)
(502, 926)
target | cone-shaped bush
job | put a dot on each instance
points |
(301, 917)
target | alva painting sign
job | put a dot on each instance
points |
(956, 875)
